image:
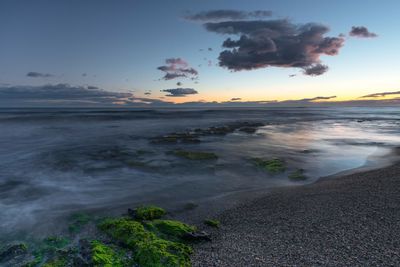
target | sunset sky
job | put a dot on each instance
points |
(239, 51)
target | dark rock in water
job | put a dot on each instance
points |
(197, 236)
(192, 136)
(84, 257)
(248, 130)
(13, 251)
(132, 213)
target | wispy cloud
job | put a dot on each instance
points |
(381, 94)
(227, 14)
(34, 74)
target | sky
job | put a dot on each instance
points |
(128, 53)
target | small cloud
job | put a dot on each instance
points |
(147, 93)
(361, 32)
(292, 75)
(90, 87)
(210, 49)
(177, 68)
(316, 70)
(34, 74)
(84, 74)
(179, 84)
(236, 99)
(380, 94)
(179, 92)
(227, 14)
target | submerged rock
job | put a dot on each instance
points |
(192, 136)
(194, 155)
(271, 165)
(298, 175)
(13, 251)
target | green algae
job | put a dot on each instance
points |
(126, 231)
(212, 223)
(272, 165)
(195, 155)
(77, 221)
(170, 229)
(55, 242)
(298, 175)
(149, 249)
(57, 262)
(162, 253)
(105, 256)
(149, 212)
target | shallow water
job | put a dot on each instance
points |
(55, 162)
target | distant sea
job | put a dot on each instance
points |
(54, 162)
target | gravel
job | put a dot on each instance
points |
(353, 220)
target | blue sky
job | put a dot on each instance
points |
(120, 44)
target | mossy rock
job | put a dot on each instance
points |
(195, 155)
(149, 250)
(77, 221)
(105, 256)
(273, 165)
(212, 223)
(126, 231)
(57, 262)
(162, 253)
(149, 212)
(55, 242)
(170, 229)
(298, 175)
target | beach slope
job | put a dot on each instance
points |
(352, 220)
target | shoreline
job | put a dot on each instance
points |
(342, 219)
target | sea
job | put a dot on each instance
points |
(58, 161)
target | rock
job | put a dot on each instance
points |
(84, 257)
(248, 130)
(192, 136)
(13, 251)
(197, 236)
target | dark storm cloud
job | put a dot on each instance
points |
(361, 32)
(34, 74)
(177, 68)
(315, 70)
(381, 94)
(236, 99)
(178, 92)
(275, 43)
(227, 14)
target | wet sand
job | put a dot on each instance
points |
(352, 220)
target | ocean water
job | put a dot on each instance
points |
(54, 162)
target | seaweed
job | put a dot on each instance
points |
(298, 175)
(272, 165)
(212, 223)
(149, 212)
